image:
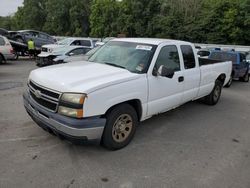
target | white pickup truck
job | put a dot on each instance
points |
(125, 82)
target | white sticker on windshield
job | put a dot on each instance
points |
(143, 47)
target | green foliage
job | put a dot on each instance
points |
(204, 21)
(6, 22)
(103, 18)
(57, 17)
(57, 20)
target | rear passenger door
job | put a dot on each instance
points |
(191, 73)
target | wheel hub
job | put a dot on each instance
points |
(122, 128)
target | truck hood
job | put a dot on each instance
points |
(81, 77)
(52, 47)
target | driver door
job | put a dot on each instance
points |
(166, 93)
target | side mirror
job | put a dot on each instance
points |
(165, 72)
(70, 54)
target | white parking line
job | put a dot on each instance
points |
(22, 139)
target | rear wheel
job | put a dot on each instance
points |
(229, 83)
(214, 96)
(1, 59)
(120, 127)
(16, 56)
(245, 78)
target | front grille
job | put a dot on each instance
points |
(45, 97)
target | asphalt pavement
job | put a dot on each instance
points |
(194, 145)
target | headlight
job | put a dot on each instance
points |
(73, 98)
(76, 113)
(71, 104)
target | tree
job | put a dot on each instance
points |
(31, 16)
(79, 17)
(104, 14)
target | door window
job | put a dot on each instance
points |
(76, 43)
(242, 58)
(42, 36)
(188, 56)
(85, 43)
(79, 51)
(2, 42)
(168, 57)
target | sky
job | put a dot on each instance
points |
(8, 7)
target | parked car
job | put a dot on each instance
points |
(72, 41)
(82, 57)
(58, 56)
(38, 37)
(248, 60)
(240, 68)
(124, 82)
(6, 50)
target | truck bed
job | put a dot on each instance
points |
(206, 61)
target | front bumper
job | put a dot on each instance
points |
(44, 61)
(79, 129)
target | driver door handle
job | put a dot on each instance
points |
(181, 79)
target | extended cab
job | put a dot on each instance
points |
(125, 82)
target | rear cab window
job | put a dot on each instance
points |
(188, 56)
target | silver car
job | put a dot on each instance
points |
(58, 56)
(6, 50)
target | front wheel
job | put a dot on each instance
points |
(120, 127)
(214, 96)
(1, 59)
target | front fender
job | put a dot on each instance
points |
(100, 101)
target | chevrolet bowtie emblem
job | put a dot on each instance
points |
(38, 94)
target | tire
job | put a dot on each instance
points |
(245, 78)
(229, 83)
(2, 59)
(120, 127)
(214, 96)
(16, 56)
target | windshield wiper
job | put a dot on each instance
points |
(115, 65)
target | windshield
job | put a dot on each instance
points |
(92, 51)
(134, 57)
(66, 41)
(224, 56)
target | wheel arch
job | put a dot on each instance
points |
(222, 78)
(135, 103)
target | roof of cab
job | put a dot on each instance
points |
(153, 41)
